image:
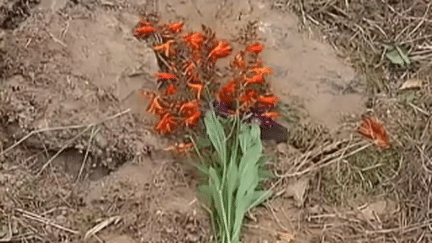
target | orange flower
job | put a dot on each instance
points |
(250, 96)
(189, 108)
(166, 48)
(256, 79)
(165, 76)
(262, 70)
(166, 125)
(144, 31)
(194, 40)
(155, 107)
(271, 115)
(268, 101)
(227, 93)
(197, 88)
(222, 49)
(171, 89)
(373, 129)
(255, 48)
(192, 112)
(239, 61)
(175, 27)
(193, 120)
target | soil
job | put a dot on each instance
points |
(68, 63)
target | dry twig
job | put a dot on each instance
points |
(43, 220)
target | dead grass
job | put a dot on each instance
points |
(364, 175)
(363, 32)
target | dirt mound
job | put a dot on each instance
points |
(77, 150)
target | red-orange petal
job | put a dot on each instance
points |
(166, 48)
(155, 107)
(230, 87)
(222, 49)
(175, 27)
(271, 115)
(171, 89)
(256, 79)
(227, 92)
(194, 40)
(197, 88)
(190, 107)
(144, 31)
(166, 125)
(165, 76)
(249, 96)
(268, 101)
(255, 48)
(373, 129)
(262, 70)
(193, 120)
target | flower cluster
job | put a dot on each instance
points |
(189, 76)
(373, 129)
(247, 91)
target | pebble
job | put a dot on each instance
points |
(101, 141)
(282, 148)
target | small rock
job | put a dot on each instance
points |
(282, 148)
(101, 141)
(60, 219)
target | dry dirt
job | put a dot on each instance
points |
(72, 68)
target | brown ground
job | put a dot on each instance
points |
(70, 72)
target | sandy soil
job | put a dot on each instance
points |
(72, 70)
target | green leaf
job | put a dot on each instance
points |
(232, 180)
(214, 178)
(255, 132)
(397, 56)
(249, 181)
(403, 55)
(259, 197)
(264, 174)
(240, 212)
(216, 134)
(251, 157)
(244, 137)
